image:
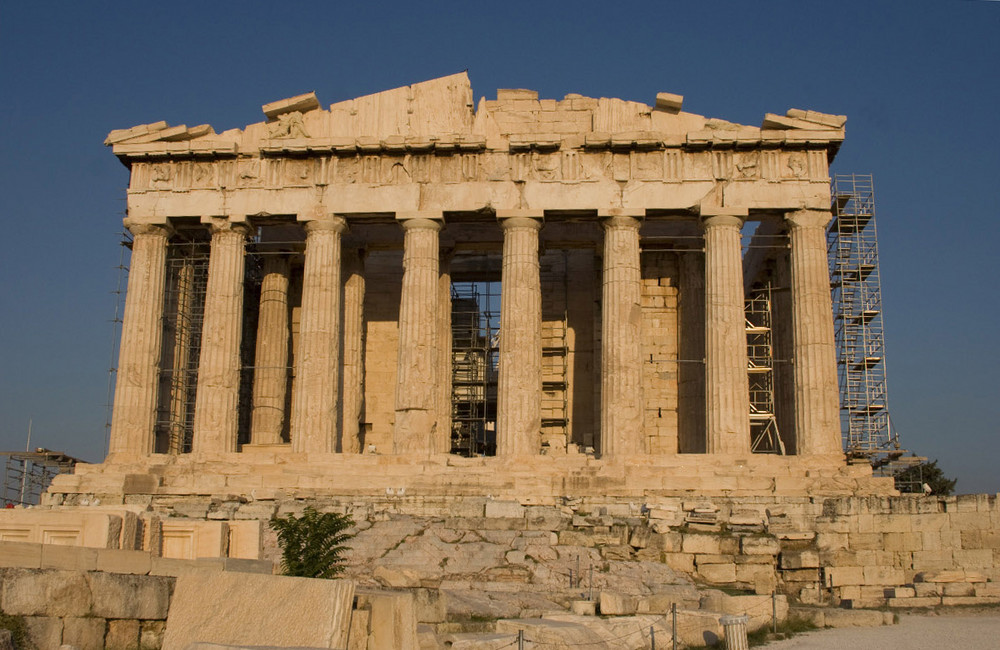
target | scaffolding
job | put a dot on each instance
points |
(764, 438)
(852, 246)
(183, 314)
(475, 328)
(27, 474)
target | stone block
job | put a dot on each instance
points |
(640, 537)
(667, 542)
(883, 575)
(151, 634)
(759, 545)
(117, 561)
(393, 620)
(84, 633)
(925, 589)
(969, 600)
(122, 635)
(988, 589)
(800, 575)
(696, 543)
(969, 558)
(429, 605)
(358, 636)
(29, 592)
(120, 595)
(583, 607)
(804, 559)
(900, 592)
(44, 631)
(504, 509)
(832, 541)
(683, 562)
(25, 555)
(846, 575)
(852, 618)
(717, 573)
(915, 601)
(70, 558)
(617, 604)
(256, 609)
(958, 589)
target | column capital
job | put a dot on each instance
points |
(521, 219)
(334, 223)
(223, 224)
(609, 221)
(155, 229)
(722, 221)
(419, 223)
(808, 218)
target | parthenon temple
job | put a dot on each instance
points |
(412, 293)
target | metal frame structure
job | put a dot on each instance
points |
(852, 247)
(475, 328)
(764, 438)
(27, 474)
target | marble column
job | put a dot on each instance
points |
(442, 441)
(217, 397)
(270, 378)
(354, 369)
(817, 414)
(315, 392)
(519, 389)
(621, 337)
(415, 430)
(727, 392)
(137, 382)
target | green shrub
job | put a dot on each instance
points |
(312, 546)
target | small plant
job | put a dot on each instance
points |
(312, 546)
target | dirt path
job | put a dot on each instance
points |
(914, 632)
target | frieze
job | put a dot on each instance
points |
(561, 166)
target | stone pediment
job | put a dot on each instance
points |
(440, 115)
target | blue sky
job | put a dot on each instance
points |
(919, 82)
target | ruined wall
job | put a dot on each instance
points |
(383, 283)
(660, 275)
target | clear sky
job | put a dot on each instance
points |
(919, 82)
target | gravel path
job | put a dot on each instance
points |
(932, 632)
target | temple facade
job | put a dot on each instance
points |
(411, 291)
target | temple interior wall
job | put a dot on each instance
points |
(659, 350)
(384, 276)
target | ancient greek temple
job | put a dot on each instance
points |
(412, 291)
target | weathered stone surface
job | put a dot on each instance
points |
(122, 635)
(46, 593)
(84, 633)
(129, 596)
(393, 622)
(257, 609)
(44, 631)
(616, 604)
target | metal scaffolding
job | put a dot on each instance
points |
(475, 329)
(28, 473)
(183, 313)
(852, 246)
(764, 438)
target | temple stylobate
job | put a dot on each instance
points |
(412, 291)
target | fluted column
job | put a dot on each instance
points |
(354, 370)
(217, 397)
(817, 415)
(621, 340)
(134, 414)
(442, 441)
(727, 391)
(416, 370)
(270, 378)
(519, 400)
(314, 420)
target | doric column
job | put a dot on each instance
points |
(727, 391)
(416, 370)
(621, 339)
(270, 377)
(353, 350)
(519, 399)
(216, 400)
(817, 416)
(442, 441)
(314, 409)
(134, 415)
